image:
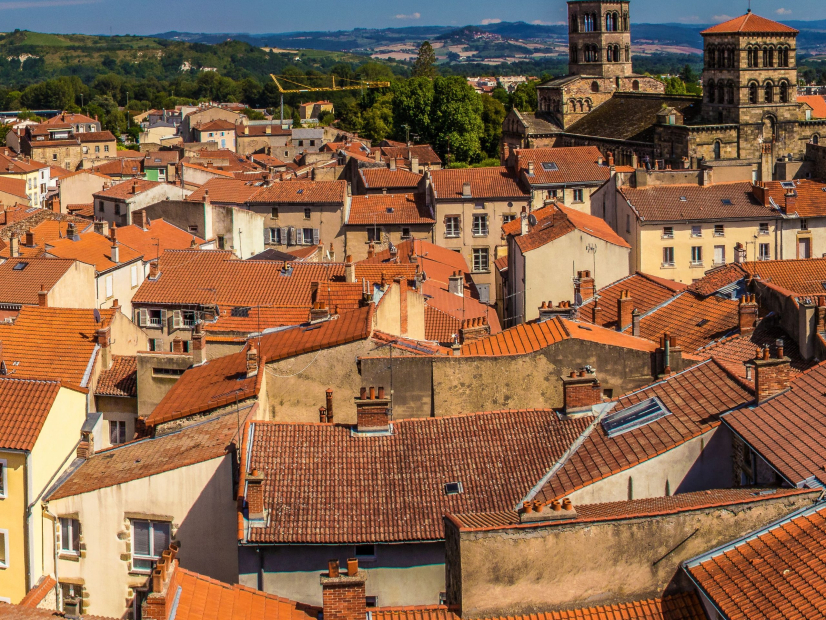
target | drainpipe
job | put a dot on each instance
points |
(53, 518)
(27, 523)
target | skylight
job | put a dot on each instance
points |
(453, 488)
(683, 199)
(787, 185)
(20, 266)
(703, 323)
(240, 312)
(634, 417)
(549, 166)
(726, 201)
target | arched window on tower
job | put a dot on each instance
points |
(611, 22)
(717, 149)
(784, 92)
(768, 92)
(732, 58)
(574, 23)
(710, 88)
(574, 55)
(783, 57)
(635, 85)
(711, 56)
(627, 53)
(721, 92)
(594, 86)
(815, 139)
(749, 57)
(752, 93)
(588, 24)
(730, 93)
(625, 22)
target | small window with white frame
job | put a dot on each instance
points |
(764, 228)
(4, 548)
(149, 540)
(579, 195)
(69, 536)
(452, 226)
(3, 479)
(764, 252)
(480, 225)
(117, 432)
(719, 230)
(668, 257)
(804, 224)
(696, 231)
(668, 232)
(696, 256)
(481, 259)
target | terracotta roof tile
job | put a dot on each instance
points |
(24, 406)
(750, 23)
(95, 136)
(664, 203)
(424, 152)
(255, 320)
(119, 167)
(717, 278)
(82, 210)
(816, 102)
(215, 125)
(123, 190)
(156, 238)
(573, 164)
(19, 612)
(21, 286)
(390, 488)
(69, 118)
(696, 398)
(808, 200)
(646, 291)
(484, 183)
(230, 191)
(15, 187)
(555, 221)
(148, 457)
(439, 326)
(302, 192)
(458, 307)
(217, 172)
(376, 178)
(91, 248)
(46, 229)
(41, 589)
(777, 572)
(802, 276)
(389, 209)
(121, 379)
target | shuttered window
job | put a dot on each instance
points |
(149, 539)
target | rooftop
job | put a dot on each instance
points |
(484, 183)
(95, 136)
(302, 192)
(647, 292)
(798, 276)
(808, 197)
(120, 379)
(230, 191)
(718, 278)
(24, 406)
(389, 209)
(92, 248)
(22, 278)
(158, 236)
(722, 201)
(751, 24)
(816, 102)
(127, 189)
(562, 165)
(376, 178)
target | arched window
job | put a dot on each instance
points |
(721, 92)
(711, 55)
(574, 55)
(625, 22)
(588, 105)
(783, 57)
(768, 92)
(710, 88)
(609, 53)
(730, 93)
(768, 56)
(635, 85)
(588, 23)
(574, 23)
(752, 93)
(784, 92)
(721, 60)
(815, 139)
(717, 148)
(749, 57)
(573, 105)
(594, 86)
(627, 53)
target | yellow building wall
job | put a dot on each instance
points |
(13, 577)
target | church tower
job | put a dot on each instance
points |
(599, 38)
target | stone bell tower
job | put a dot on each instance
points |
(599, 38)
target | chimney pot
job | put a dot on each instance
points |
(381, 389)
(43, 297)
(322, 415)
(363, 393)
(372, 393)
(332, 568)
(352, 567)
(329, 403)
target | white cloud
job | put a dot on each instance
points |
(491, 20)
(539, 22)
(30, 4)
(782, 11)
(721, 18)
(411, 16)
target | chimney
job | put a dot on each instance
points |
(319, 311)
(597, 314)
(246, 130)
(402, 283)
(29, 238)
(198, 344)
(791, 201)
(115, 254)
(349, 270)
(104, 340)
(71, 608)
(581, 390)
(332, 253)
(669, 355)
(456, 283)
(392, 163)
(328, 395)
(98, 227)
(206, 197)
(252, 362)
(86, 447)
(530, 168)
(748, 314)
(71, 233)
(771, 374)
(821, 314)
(343, 595)
(466, 190)
(584, 286)
(268, 129)
(414, 165)
(474, 329)
(371, 250)
(139, 219)
(552, 510)
(706, 177)
(625, 305)
(177, 345)
(160, 601)
(372, 411)
(14, 246)
(564, 309)
(43, 297)
(635, 322)
(134, 189)
(154, 271)
(255, 496)
(394, 254)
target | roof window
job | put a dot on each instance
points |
(20, 266)
(726, 201)
(634, 417)
(301, 191)
(454, 488)
(549, 166)
(240, 312)
(287, 269)
(683, 199)
(787, 185)
(703, 323)
(390, 209)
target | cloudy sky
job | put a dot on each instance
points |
(256, 16)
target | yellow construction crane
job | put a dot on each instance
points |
(304, 88)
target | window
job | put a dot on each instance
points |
(149, 540)
(452, 226)
(4, 548)
(221, 242)
(165, 372)
(405, 233)
(371, 601)
(274, 236)
(719, 255)
(784, 93)
(764, 252)
(764, 228)
(697, 256)
(117, 432)
(69, 535)
(105, 148)
(481, 259)
(307, 214)
(97, 148)
(100, 206)
(480, 225)
(301, 143)
(634, 416)
(3, 481)
(72, 591)
(365, 552)
(312, 142)
(508, 217)
(752, 93)
(54, 156)
(108, 286)
(578, 195)
(768, 93)
(717, 149)
(310, 236)
(668, 232)
(696, 231)
(668, 257)
(155, 344)
(454, 488)
(719, 230)
(628, 223)
(804, 224)
(274, 213)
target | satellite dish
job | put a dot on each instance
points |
(532, 219)
(96, 314)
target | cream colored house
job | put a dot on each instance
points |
(680, 224)
(118, 510)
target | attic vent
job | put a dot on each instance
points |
(683, 199)
(726, 201)
(20, 266)
(240, 312)
(635, 416)
(549, 166)
(454, 488)
(787, 185)
(703, 323)
(287, 269)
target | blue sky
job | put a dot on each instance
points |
(256, 16)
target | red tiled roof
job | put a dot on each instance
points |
(530, 337)
(92, 248)
(41, 589)
(215, 125)
(752, 24)
(69, 118)
(389, 209)
(95, 136)
(646, 291)
(789, 430)
(148, 457)
(663, 203)
(52, 343)
(695, 397)
(800, 276)
(119, 167)
(424, 152)
(22, 286)
(123, 190)
(683, 606)
(216, 171)
(256, 131)
(302, 192)
(231, 191)
(267, 160)
(390, 488)
(809, 198)
(121, 379)
(501, 263)
(15, 165)
(257, 319)
(15, 187)
(817, 103)
(19, 612)
(459, 307)
(158, 158)
(777, 572)
(574, 164)
(440, 326)
(484, 183)
(717, 278)
(45, 232)
(384, 177)
(24, 406)
(555, 221)
(84, 210)
(156, 238)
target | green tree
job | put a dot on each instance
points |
(502, 96)
(425, 65)
(457, 119)
(524, 97)
(378, 120)
(412, 106)
(296, 119)
(493, 113)
(674, 86)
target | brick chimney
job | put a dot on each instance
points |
(669, 355)
(466, 190)
(349, 270)
(748, 314)
(139, 219)
(635, 322)
(98, 227)
(252, 362)
(14, 246)
(625, 306)
(474, 329)
(531, 168)
(343, 595)
(581, 390)
(29, 238)
(771, 374)
(371, 250)
(821, 314)
(403, 313)
(198, 344)
(255, 496)
(104, 336)
(43, 297)
(319, 311)
(414, 165)
(332, 253)
(86, 447)
(154, 271)
(456, 283)
(161, 600)
(328, 395)
(596, 314)
(791, 201)
(584, 285)
(372, 410)
(563, 309)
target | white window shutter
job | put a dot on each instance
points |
(299, 236)
(284, 232)
(108, 286)
(143, 317)
(134, 275)
(177, 321)
(315, 236)
(268, 235)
